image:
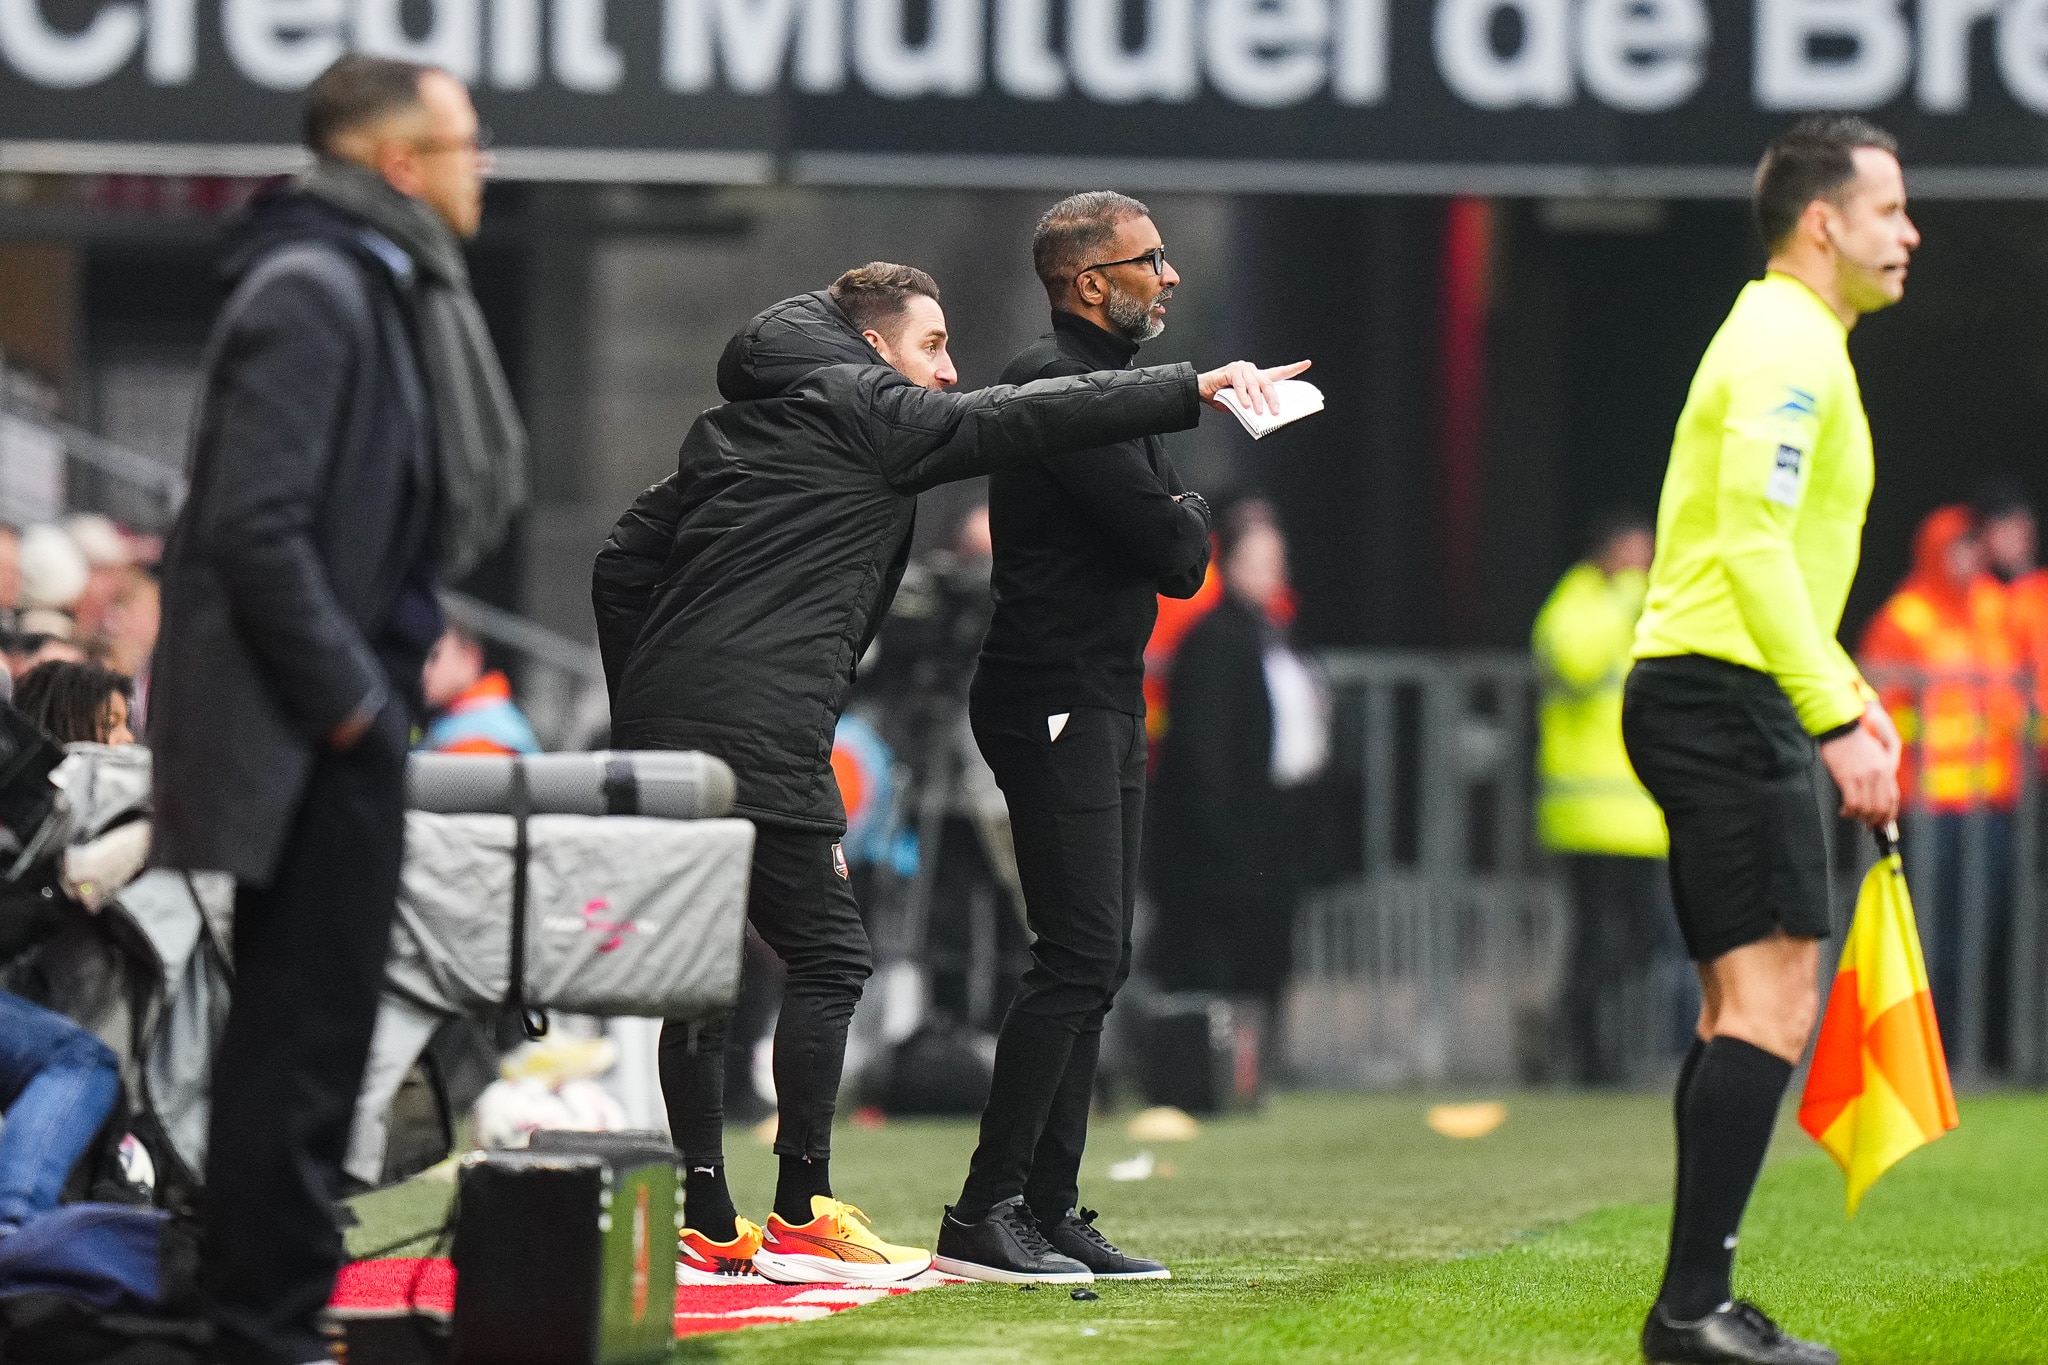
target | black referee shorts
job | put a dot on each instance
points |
(1723, 752)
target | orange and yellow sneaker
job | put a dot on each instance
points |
(836, 1247)
(699, 1260)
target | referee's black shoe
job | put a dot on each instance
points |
(1005, 1248)
(1074, 1234)
(1737, 1333)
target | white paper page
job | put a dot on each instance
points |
(1298, 399)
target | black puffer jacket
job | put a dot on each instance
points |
(735, 596)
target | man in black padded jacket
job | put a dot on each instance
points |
(1084, 542)
(733, 600)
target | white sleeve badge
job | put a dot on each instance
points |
(1783, 485)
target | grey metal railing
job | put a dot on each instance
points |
(49, 468)
(1439, 959)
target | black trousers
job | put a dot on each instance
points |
(1076, 808)
(309, 951)
(1621, 920)
(801, 904)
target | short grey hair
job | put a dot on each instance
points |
(1072, 234)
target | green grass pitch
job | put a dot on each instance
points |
(1340, 1228)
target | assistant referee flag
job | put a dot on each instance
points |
(1879, 1084)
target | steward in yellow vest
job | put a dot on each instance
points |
(1590, 800)
(1604, 828)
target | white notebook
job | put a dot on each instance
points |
(1298, 399)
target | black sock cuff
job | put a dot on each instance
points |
(1747, 1060)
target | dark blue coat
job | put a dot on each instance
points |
(309, 518)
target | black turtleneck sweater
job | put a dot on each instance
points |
(1084, 544)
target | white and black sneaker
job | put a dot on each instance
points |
(1736, 1333)
(1074, 1234)
(1004, 1248)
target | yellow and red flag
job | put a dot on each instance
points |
(1879, 1083)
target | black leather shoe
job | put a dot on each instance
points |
(1737, 1333)
(1073, 1234)
(1005, 1248)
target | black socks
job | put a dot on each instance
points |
(1728, 1099)
(1686, 1070)
(799, 1179)
(707, 1204)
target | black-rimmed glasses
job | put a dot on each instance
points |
(1156, 258)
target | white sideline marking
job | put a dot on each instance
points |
(849, 1297)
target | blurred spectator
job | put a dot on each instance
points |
(472, 708)
(76, 703)
(974, 541)
(129, 630)
(1593, 813)
(58, 1083)
(54, 571)
(109, 560)
(41, 634)
(2008, 532)
(1177, 616)
(1250, 730)
(10, 574)
(1943, 656)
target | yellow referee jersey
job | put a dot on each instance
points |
(1761, 520)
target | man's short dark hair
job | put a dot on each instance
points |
(873, 296)
(1813, 159)
(355, 91)
(1072, 234)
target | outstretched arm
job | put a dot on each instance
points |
(922, 437)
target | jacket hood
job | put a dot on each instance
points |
(1933, 547)
(782, 345)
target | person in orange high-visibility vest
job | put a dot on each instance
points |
(1942, 655)
(2008, 532)
(1951, 672)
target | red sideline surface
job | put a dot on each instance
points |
(391, 1286)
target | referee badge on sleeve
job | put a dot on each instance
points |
(839, 860)
(1783, 485)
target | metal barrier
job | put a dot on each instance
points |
(1438, 959)
(1974, 867)
(49, 468)
(1439, 955)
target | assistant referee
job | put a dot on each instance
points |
(1739, 676)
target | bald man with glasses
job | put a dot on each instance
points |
(1084, 543)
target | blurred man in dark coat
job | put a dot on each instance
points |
(354, 437)
(1247, 727)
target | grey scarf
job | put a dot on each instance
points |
(482, 441)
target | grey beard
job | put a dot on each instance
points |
(1132, 317)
